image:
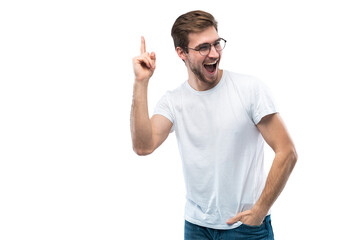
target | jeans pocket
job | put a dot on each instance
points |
(253, 227)
(260, 232)
(253, 232)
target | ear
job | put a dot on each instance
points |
(181, 53)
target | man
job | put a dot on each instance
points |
(221, 120)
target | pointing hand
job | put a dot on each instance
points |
(144, 64)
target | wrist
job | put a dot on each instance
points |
(141, 82)
(260, 210)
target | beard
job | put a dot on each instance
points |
(198, 71)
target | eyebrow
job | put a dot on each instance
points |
(204, 44)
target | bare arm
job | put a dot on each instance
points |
(146, 134)
(275, 134)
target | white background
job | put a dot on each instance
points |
(67, 169)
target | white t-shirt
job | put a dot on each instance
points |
(222, 150)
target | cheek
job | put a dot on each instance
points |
(195, 62)
(200, 62)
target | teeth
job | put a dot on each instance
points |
(210, 63)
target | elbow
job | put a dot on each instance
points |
(142, 148)
(288, 157)
(292, 157)
(142, 151)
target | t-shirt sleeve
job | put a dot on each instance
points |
(164, 108)
(262, 103)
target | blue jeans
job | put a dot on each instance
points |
(262, 232)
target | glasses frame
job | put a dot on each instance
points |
(209, 45)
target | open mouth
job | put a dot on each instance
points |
(211, 67)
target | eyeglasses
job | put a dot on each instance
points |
(204, 49)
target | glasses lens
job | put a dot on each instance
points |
(220, 44)
(204, 50)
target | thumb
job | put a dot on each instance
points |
(153, 60)
(153, 56)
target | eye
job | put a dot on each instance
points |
(217, 44)
(204, 48)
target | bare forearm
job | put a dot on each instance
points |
(275, 134)
(279, 173)
(141, 131)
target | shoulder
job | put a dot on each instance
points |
(170, 98)
(240, 78)
(175, 93)
(243, 82)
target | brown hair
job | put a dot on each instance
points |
(191, 22)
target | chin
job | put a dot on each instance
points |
(211, 78)
(207, 74)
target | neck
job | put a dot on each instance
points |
(201, 85)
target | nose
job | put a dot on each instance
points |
(213, 52)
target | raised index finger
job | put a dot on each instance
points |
(142, 48)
